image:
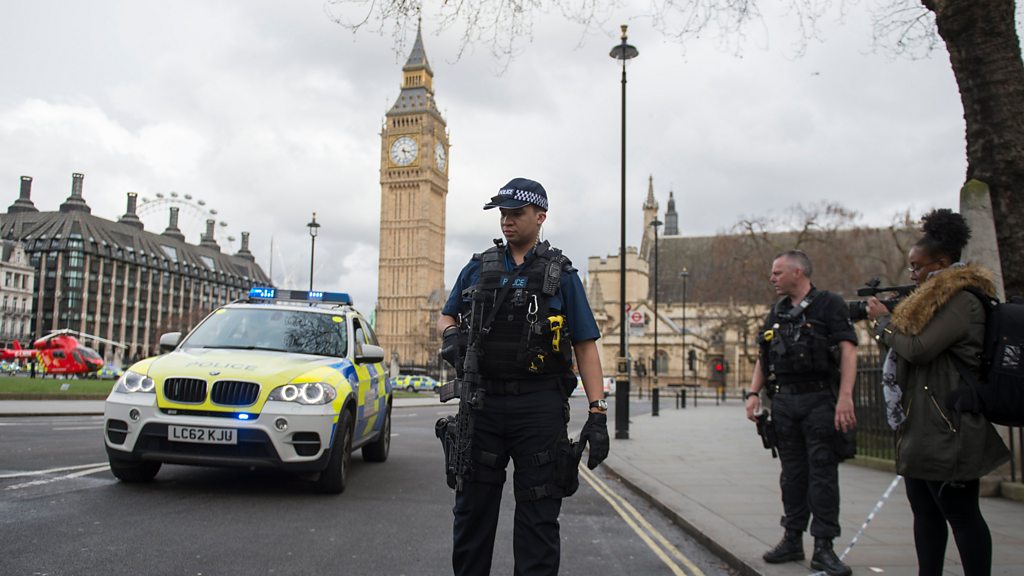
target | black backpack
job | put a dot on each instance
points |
(1000, 387)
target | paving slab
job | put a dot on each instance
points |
(706, 469)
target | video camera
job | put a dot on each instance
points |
(859, 308)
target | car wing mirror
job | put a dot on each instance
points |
(169, 341)
(368, 353)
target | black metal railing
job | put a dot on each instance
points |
(1016, 445)
(875, 439)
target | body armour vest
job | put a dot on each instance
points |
(795, 347)
(527, 339)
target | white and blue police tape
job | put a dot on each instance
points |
(881, 502)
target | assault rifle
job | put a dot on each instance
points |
(456, 432)
(766, 430)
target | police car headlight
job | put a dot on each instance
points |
(132, 382)
(310, 393)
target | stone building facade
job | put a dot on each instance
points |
(17, 284)
(117, 281)
(414, 189)
(715, 290)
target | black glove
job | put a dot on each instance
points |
(595, 432)
(964, 399)
(450, 347)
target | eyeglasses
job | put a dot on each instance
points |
(916, 269)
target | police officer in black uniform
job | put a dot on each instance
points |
(525, 365)
(807, 365)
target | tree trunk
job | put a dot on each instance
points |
(984, 51)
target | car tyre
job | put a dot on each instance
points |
(378, 450)
(410, 388)
(334, 478)
(134, 471)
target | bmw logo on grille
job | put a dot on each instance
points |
(214, 372)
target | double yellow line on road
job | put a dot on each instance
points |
(657, 542)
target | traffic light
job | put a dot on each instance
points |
(719, 368)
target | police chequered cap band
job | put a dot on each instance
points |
(527, 196)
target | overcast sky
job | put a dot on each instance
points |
(269, 111)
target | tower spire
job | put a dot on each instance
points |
(671, 218)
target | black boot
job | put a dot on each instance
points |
(790, 548)
(825, 559)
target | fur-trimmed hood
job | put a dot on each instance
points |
(914, 313)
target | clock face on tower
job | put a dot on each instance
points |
(439, 156)
(403, 151)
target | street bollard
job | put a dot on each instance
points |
(654, 402)
(683, 394)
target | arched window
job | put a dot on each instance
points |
(662, 363)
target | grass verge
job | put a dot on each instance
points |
(23, 387)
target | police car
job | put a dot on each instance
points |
(291, 380)
(411, 383)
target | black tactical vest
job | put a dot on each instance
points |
(795, 347)
(527, 339)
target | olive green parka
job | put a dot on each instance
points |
(936, 322)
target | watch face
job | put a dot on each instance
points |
(403, 151)
(439, 156)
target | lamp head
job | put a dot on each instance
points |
(314, 228)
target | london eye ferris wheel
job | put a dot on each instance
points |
(193, 214)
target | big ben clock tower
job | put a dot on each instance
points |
(413, 189)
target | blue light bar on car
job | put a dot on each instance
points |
(266, 293)
(263, 293)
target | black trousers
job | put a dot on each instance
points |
(516, 427)
(936, 503)
(805, 425)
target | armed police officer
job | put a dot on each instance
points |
(807, 365)
(521, 307)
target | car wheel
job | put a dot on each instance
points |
(379, 449)
(410, 388)
(334, 478)
(134, 471)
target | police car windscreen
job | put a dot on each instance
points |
(272, 329)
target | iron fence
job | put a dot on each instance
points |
(875, 439)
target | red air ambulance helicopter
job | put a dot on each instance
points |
(60, 353)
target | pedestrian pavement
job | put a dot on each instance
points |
(706, 469)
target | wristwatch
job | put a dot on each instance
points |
(601, 405)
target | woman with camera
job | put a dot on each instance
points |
(941, 452)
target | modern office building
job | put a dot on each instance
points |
(117, 281)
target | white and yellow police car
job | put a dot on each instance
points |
(292, 380)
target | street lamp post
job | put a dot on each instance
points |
(654, 381)
(314, 228)
(684, 275)
(623, 52)
(655, 224)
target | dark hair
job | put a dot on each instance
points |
(945, 234)
(800, 259)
